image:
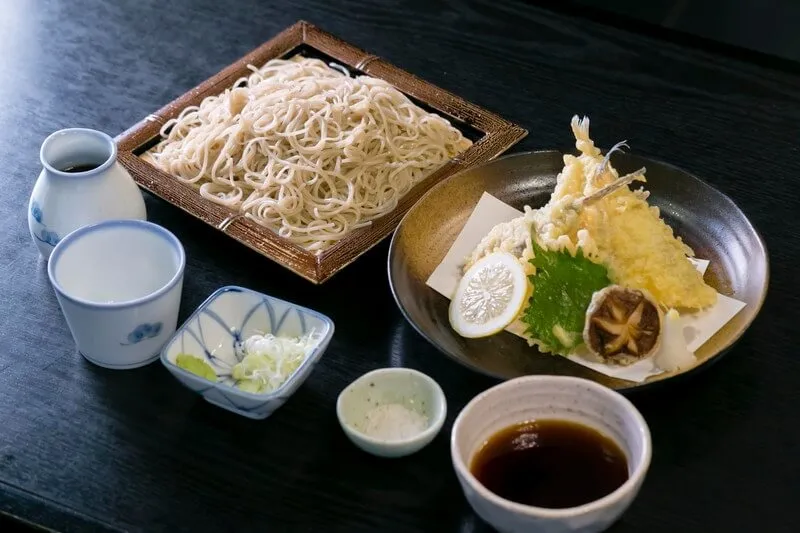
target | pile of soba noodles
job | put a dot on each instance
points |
(306, 150)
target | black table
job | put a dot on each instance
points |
(85, 449)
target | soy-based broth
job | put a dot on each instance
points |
(550, 463)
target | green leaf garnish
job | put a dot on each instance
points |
(196, 365)
(562, 290)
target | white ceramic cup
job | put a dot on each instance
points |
(550, 397)
(119, 286)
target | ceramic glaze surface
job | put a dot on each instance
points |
(404, 386)
(550, 397)
(215, 332)
(64, 201)
(119, 286)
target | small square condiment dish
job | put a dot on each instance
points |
(215, 333)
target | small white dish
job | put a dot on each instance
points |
(64, 199)
(227, 317)
(119, 285)
(392, 412)
(550, 397)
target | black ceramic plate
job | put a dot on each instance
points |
(705, 218)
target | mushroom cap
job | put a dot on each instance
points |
(623, 325)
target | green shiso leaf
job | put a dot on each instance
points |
(562, 290)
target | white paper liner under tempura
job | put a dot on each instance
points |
(697, 327)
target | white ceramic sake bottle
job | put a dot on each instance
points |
(81, 183)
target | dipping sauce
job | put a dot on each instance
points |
(79, 168)
(550, 463)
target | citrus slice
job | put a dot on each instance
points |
(489, 296)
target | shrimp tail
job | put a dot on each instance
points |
(580, 128)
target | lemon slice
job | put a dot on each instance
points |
(489, 296)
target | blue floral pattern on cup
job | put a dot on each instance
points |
(45, 235)
(142, 332)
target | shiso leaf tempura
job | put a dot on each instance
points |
(563, 285)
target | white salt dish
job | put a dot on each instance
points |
(65, 201)
(392, 412)
(119, 285)
(550, 397)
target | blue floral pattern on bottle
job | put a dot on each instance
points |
(36, 212)
(49, 237)
(45, 235)
(142, 332)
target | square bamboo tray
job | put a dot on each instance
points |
(491, 136)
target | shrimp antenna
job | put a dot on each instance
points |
(616, 148)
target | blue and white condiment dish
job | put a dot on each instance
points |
(215, 333)
(119, 285)
(392, 412)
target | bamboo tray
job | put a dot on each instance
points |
(491, 136)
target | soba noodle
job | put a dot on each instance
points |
(306, 150)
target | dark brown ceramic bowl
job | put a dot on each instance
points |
(706, 219)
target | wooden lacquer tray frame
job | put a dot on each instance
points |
(491, 136)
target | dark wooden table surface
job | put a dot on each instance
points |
(87, 449)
